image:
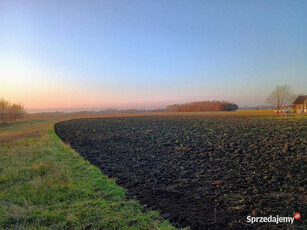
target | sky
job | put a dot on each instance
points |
(72, 55)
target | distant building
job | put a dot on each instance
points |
(301, 104)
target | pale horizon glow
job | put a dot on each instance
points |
(81, 55)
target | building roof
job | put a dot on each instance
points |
(300, 99)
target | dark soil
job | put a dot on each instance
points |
(200, 171)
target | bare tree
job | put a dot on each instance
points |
(11, 111)
(201, 106)
(4, 109)
(280, 96)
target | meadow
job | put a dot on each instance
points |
(201, 170)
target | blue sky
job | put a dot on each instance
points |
(145, 54)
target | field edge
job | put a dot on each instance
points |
(46, 184)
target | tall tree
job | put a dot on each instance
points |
(280, 96)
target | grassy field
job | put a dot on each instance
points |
(44, 184)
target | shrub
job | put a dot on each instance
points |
(11, 111)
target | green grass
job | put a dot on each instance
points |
(44, 184)
(19, 125)
(285, 117)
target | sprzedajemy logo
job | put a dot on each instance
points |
(273, 219)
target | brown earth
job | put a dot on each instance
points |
(201, 171)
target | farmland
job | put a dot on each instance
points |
(44, 184)
(202, 171)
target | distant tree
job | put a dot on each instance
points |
(11, 111)
(202, 106)
(4, 109)
(280, 96)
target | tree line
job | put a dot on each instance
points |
(11, 111)
(202, 106)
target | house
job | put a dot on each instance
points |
(301, 104)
